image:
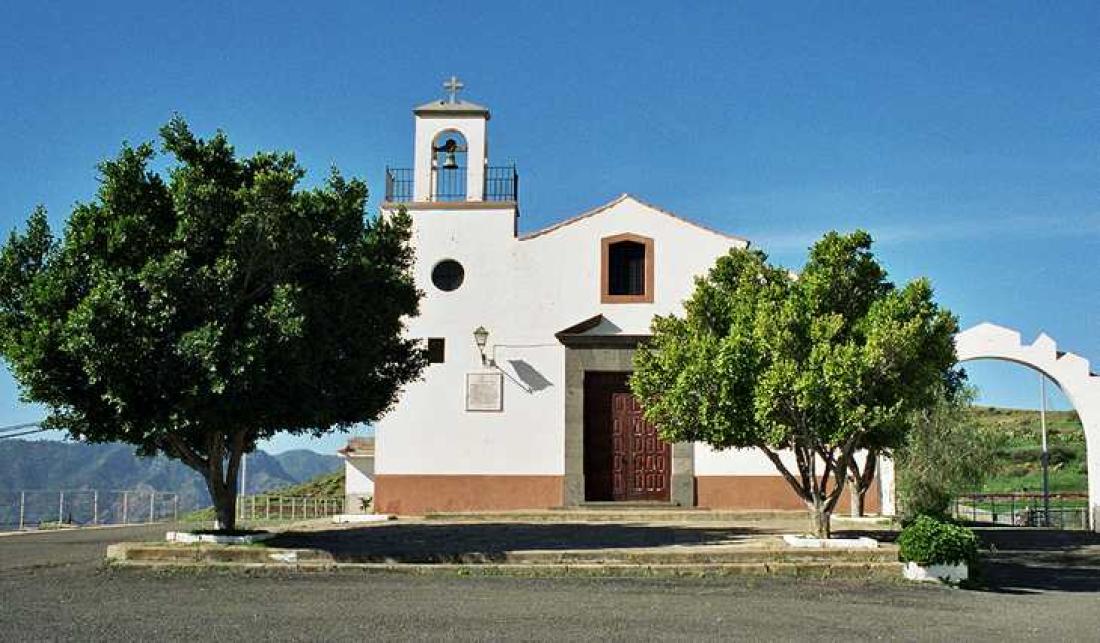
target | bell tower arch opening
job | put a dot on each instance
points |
(449, 166)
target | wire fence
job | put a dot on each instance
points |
(51, 509)
(1066, 510)
(274, 508)
(43, 509)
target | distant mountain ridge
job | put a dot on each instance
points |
(58, 465)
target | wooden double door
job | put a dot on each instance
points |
(624, 459)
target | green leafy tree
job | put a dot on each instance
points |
(195, 315)
(879, 444)
(945, 454)
(812, 364)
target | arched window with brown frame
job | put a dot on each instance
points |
(626, 269)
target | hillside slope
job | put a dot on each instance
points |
(1018, 468)
(55, 465)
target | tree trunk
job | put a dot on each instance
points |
(224, 498)
(820, 520)
(221, 478)
(218, 462)
(862, 481)
(819, 499)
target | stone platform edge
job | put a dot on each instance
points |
(147, 555)
(156, 554)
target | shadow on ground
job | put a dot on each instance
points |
(1019, 561)
(426, 542)
(1022, 561)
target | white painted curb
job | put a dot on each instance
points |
(187, 537)
(804, 542)
(356, 518)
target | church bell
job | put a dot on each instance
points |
(450, 162)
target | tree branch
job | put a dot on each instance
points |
(787, 475)
(186, 453)
(236, 448)
(840, 474)
(864, 478)
(803, 469)
(829, 461)
(869, 469)
(215, 445)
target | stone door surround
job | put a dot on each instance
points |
(596, 357)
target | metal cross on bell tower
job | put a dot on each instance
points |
(453, 85)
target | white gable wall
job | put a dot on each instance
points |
(572, 252)
(522, 291)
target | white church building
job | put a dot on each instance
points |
(531, 337)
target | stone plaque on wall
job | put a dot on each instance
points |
(484, 392)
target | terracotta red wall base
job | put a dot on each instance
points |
(764, 492)
(420, 494)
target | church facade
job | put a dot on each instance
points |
(531, 337)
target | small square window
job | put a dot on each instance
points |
(435, 350)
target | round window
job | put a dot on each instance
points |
(448, 275)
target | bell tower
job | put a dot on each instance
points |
(451, 169)
(451, 157)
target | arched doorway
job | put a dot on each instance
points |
(1068, 371)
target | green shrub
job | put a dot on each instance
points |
(945, 456)
(925, 497)
(927, 541)
(1032, 455)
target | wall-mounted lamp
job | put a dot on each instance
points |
(481, 337)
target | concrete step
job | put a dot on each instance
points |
(882, 571)
(601, 513)
(171, 554)
(632, 556)
(601, 505)
(684, 556)
(815, 564)
(758, 550)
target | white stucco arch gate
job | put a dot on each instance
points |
(1070, 372)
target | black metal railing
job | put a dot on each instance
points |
(501, 184)
(450, 184)
(399, 185)
(1059, 511)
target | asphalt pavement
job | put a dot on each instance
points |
(53, 586)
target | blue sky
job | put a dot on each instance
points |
(962, 135)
